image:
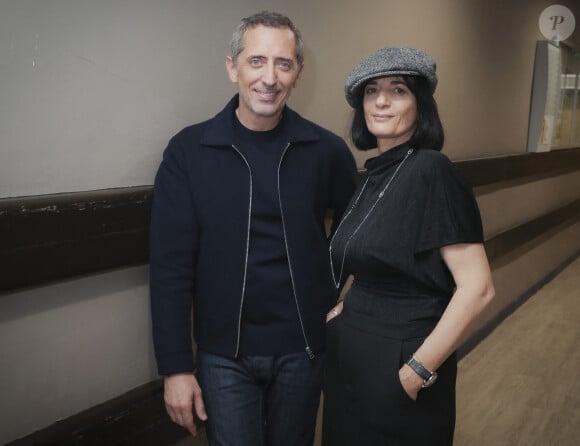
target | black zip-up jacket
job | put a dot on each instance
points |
(200, 232)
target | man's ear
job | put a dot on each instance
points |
(299, 77)
(232, 69)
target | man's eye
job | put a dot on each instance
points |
(285, 65)
(255, 61)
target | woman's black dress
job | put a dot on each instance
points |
(401, 287)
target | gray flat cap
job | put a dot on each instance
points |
(390, 61)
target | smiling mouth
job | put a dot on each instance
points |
(267, 95)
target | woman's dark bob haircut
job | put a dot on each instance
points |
(428, 131)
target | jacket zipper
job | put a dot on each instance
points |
(246, 255)
(307, 348)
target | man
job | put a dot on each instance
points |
(238, 232)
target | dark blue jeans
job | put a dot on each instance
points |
(260, 400)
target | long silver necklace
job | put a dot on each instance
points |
(381, 193)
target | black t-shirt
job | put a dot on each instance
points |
(270, 324)
(395, 251)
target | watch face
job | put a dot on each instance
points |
(430, 381)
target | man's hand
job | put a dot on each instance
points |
(182, 393)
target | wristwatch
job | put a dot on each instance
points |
(428, 377)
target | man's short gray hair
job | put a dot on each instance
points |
(272, 20)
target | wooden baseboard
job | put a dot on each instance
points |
(135, 418)
(50, 238)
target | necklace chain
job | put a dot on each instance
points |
(381, 193)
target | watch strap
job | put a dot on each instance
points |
(428, 377)
(418, 368)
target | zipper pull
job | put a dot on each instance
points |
(309, 352)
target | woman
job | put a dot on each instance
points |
(414, 242)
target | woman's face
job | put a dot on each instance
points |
(390, 111)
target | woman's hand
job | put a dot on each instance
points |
(410, 381)
(335, 311)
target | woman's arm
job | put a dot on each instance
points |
(470, 269)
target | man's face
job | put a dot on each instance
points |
(265, 71)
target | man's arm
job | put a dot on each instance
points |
(173, 242)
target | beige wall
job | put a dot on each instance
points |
(70, 346)
(484, 51)
(505, 206)
(91, 91)
(528, 266)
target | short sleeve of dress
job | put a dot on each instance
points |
(450, 214)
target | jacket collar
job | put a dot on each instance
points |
(219, 131)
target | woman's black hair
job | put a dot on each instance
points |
(428, 132)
